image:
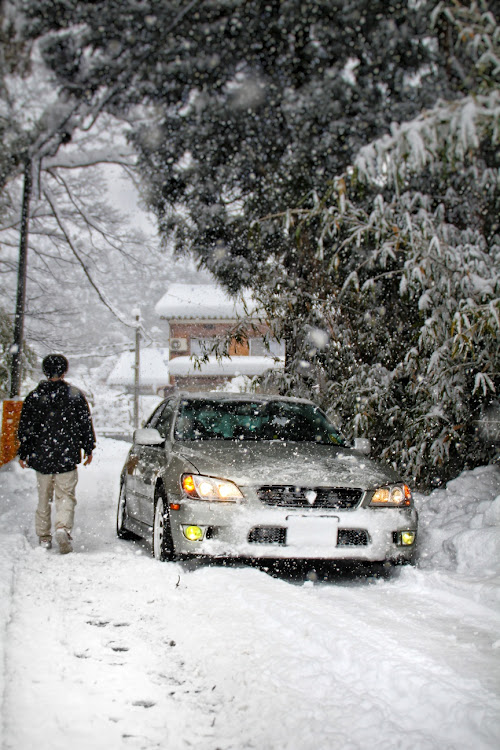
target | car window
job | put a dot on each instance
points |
(201, 419)
(164, 420)
(161, 418)
(153, 418)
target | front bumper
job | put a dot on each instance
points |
(251, 530)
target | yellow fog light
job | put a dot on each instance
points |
(193, 533)
(407, 538)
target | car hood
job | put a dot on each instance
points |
(300, 464)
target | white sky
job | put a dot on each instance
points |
(125, 197)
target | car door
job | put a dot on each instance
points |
(151, 459)
(133, 469)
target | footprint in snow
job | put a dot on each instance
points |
(117, 647)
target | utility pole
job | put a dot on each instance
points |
(17, 346)
(137, 363)
(11, 408)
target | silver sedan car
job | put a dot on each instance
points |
(221, 475)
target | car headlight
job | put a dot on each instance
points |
(392, 496)
(210, 488)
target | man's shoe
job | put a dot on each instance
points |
(64, 541)
(45, 542)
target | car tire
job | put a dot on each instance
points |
(121, 515)
(162, 542)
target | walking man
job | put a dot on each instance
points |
(54, 428)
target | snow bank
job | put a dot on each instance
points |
(231, 366)
(460, 525)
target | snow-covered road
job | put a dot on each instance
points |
(107, 648)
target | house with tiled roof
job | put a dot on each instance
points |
(197, 314)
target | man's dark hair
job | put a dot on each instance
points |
(55, 365)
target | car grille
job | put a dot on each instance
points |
(339, 498)
(277, 535)
(267, 535)
(353, 538)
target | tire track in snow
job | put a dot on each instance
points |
(341, 665)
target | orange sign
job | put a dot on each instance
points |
(9, 444)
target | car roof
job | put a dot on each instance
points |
(225, 396)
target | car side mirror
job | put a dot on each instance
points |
(148, 436)
(362, 445)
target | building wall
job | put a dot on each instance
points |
(204, 330)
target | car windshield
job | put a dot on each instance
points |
(200, 419)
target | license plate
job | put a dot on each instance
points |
(312, 532)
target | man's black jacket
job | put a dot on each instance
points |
(55, 426)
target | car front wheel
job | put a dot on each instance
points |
(163, 546)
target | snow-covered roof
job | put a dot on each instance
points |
(200, 302)
(153, 368)
(232, 366)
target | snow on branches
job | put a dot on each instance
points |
(409, 246)
(447, 134)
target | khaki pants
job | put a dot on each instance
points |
(61, 487)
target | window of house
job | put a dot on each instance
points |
(258, 348)
(199, 345)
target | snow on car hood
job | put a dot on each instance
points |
(300, 464)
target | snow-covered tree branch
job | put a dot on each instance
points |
(410, 244)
